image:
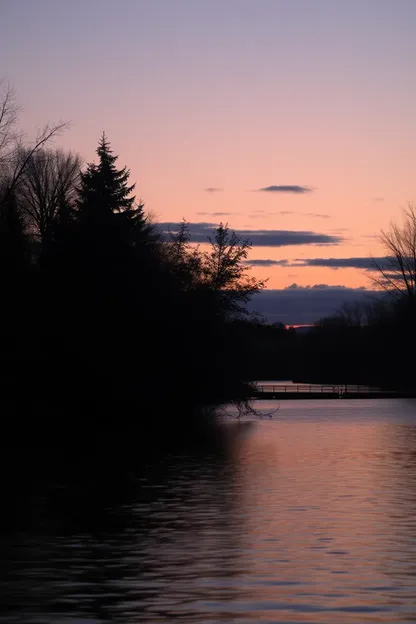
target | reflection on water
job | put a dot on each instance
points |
(309, 517)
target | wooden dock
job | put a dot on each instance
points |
(280, 392)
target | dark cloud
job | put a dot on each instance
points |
(267, 262)
(213, 189)
(365, 263)
(342, 263)
(258, 238)
(298, 305)
(285, 188)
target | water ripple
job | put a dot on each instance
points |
(309, 517)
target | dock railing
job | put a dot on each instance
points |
(316, 388)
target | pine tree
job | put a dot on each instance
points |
(104, 189)
(106, 206)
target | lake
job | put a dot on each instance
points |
(309, 516)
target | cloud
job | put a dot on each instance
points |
(258, 238)
(318, 215)
(267, 262)
(262, 213)
(303, 305)
(285, 188)
(217, 214)
(213, 189)
(365, 263)
(378, 199)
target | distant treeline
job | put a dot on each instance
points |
(361, 344)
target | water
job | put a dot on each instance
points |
(306, 517)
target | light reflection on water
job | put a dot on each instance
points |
(308, 517)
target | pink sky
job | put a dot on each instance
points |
(237, 95)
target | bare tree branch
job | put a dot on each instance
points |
(49, 180)
(23, 154)
(398, 275)
(8, 119)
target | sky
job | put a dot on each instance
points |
(291, 120)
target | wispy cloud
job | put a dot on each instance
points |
(318, 215)
(340, 230)
(217, 214)
(258, 214)
(267, 262)
(213, 189)
(285, 188)
(365, 263)
(199, 233)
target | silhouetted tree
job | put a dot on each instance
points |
(8, 120)
(104, 191)
(225, 270)
(15, 151)
(184, 260)
(398, 274)
(49, 182)
(221, 270)
(14, 245)
(115, 310)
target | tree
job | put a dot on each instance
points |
(8, 120)
(15, 151)
(183, 259)
(105, 203)
(104, 189)
(398, 274)
(48, 184)
(14, 248)
(225, 271)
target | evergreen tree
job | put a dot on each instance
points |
(14, 246)
(104, 189)
(110, 221)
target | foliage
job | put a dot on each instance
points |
(120, 318)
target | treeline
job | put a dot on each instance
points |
(373, 343)
(370, 342)
(363, 343)
(109, 326)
